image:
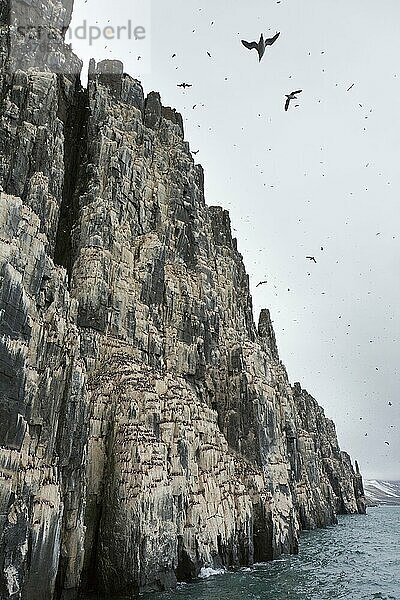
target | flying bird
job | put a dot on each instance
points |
(184, 85)
(291, 96)
(261, 283)
(312, 258)
(261, 45)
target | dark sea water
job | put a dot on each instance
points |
(357, 560)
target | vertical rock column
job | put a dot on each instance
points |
(42, 403)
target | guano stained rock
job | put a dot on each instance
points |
(147, 425)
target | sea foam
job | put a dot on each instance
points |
(209, 572)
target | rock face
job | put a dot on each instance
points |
(147, 426)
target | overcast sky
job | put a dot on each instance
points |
(323, 175)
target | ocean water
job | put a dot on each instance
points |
(359, 559)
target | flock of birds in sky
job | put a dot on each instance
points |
(261, 47)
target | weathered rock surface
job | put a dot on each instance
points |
(147, 426)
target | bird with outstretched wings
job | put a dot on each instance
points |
(261, 45)
(290, 97)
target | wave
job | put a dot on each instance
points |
(207, 572)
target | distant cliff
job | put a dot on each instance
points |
(147, 426)
(382, 493)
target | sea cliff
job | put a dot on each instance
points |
(147, 424)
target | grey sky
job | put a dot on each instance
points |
(325, 174)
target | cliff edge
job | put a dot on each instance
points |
(147, 425)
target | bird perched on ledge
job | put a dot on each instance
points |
(261, 45)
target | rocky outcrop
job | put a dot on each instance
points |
(148, 427)
(321, 468)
